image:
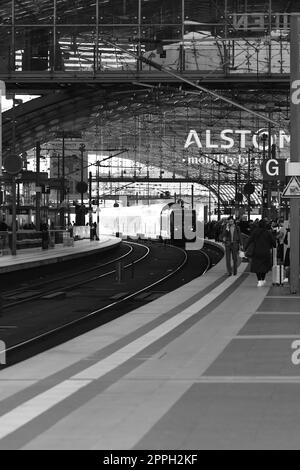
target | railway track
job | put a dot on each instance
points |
(44, 327)
(56, 283)
(37, 285)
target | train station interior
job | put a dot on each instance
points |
(131, 133)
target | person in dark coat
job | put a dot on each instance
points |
(232, 239)
(263, 241)
(45, 235)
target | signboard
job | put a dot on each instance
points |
(293, 189)
(13, 164)
(249, 189)
(292, 169)
(23, 211)
(31, 177)
(273, 170)
(72, 164)
(82, 187)
(259, 21)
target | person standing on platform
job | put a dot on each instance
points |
(94, 235)
(45, 235)
(281, 232)
(287, 258)
(70, 230)
(263, 241)
(232, 239)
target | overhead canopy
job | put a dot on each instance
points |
(61, 52)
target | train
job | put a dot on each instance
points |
(161, 222)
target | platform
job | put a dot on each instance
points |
(34, 257)
(206, 367)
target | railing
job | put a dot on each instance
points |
(192, 52)
(33, 239)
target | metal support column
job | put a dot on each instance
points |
(193, 196)
(2, 94)
(96, 58)
(139, 63)
(295, 151)
(249, 181)
(54, 45)
(209, 204)
(226, 44)
(82, 149)
(62, 221)
(14, 216)
(90, 198)
(38, 189)
(264, 210)
(219, 191)
(98, 198)
(13, 186)
(12, 60)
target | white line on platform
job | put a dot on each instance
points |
(285, 297)
(276, 313)
(249, 380)
(38, 405)
(268, 337)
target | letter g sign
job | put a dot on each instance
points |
(272, 168)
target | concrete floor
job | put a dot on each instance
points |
(35, 257)
(206, 367)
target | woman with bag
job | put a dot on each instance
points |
(261, 243)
